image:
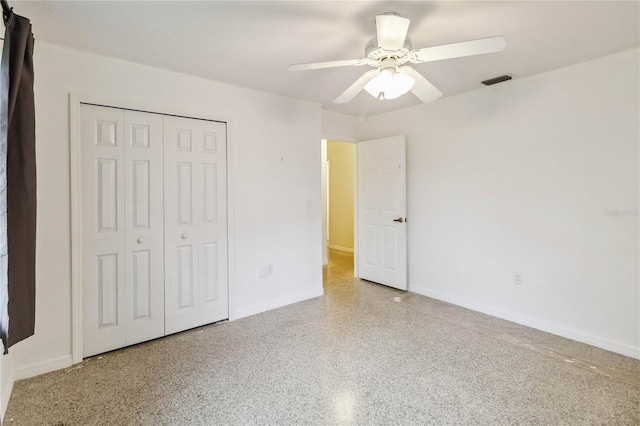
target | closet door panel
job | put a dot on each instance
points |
(103, 224)
(211, 146)
(181, 261)
(144, 226)
(195, 223)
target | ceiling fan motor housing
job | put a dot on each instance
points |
(372, 51)
(388, 63)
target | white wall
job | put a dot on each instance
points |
(6, 382)
(339, 127)
(275, 145)
(517, 178)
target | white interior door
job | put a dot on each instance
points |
(102, 150)
(123, 283)
(144, 226)
(196, 289)
(382, 229)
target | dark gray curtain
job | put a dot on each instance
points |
(18, 115)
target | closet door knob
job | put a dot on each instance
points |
(185, 236)
(140, 240)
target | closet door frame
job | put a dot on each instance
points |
(76, 199)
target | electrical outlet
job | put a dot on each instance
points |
(266, 270)
(517, 278)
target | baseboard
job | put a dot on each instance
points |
(6, 396)
(340, 248)
(37, 368)
(589, 339)
(256, 309)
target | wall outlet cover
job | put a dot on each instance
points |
(517, 278)
(266, 270)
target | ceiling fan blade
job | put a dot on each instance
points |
(392, 31)
(424, 90)
(332, 64)
(356, 87)
(457, 50)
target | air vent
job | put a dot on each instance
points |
(496, 80)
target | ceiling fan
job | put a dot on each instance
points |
(390, 51)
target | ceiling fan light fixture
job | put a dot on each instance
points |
(389, 84)
(379, 83)
(390, 50)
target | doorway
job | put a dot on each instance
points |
(338, 205)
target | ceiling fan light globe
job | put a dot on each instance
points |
(403, 82)
(383, 80)
(373, 88)
(385, 77)
(373, 92)
(391, 94)
(389, 85)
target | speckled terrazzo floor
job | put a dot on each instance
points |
(354, 356)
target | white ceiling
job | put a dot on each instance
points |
(251, 44)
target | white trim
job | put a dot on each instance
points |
(76, 230)
(256, 309)
(76, 211)
(136, 105)
(340, 248)
(6, 395)
(339, 138)
(355, 214)
(589, 339)
(325, 261)
(328, 194)
(231, 223)
(41, 367)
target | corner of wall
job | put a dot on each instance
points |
(337, 126)
(42, 367)
(7, 379)
(558, 330)
(257, 309)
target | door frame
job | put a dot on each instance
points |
(75, 100)
(354, 141)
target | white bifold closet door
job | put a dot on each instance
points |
(154, 225)
(122, 222)
(196, 291)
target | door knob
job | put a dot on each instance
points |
(140, 240)
(399, 220)
(185, 236)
